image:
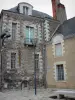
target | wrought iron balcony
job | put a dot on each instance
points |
(30, 41)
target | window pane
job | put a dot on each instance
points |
(37, 61)
(58, 49)
(23, 9)
(26, 10)
(60, 72)
(13, 30)
(29, 34)
(13, 60)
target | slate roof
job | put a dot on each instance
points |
(67, 28)
(35, 13)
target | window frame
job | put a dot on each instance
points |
(13, 60)
(65, 71)
(36, 61)
(57, 53)
(14, 30)
(59, 38)
(25, 10)
(29, 34)
(60, 75)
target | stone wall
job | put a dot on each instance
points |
(24, 61)
(25, 54)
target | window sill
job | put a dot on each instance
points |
(58, 56)
(61, 81)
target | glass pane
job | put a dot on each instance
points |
(31, 32)
(58, 49)
(13, 60)
(13, 30)
(26, 10)
(23, 9)
(37, 61)
(60, 72)
(27, 34)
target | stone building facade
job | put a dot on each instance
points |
(24, 25)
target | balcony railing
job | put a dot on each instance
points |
(30, 41)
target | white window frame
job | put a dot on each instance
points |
(59, 78)
(29, 28)
(58, 55)
(25, 10)
(58, 39)
(55, 71)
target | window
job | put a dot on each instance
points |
(25, 10)
(13, 30)
(13, 60)
(58, 49)
(29, 34)
(60, 72)
(37, 61)
(58, 45)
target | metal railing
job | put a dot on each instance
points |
(30, 41)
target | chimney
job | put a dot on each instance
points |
(59, 12)
(54, 7)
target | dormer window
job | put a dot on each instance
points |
(25, 10)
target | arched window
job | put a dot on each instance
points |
(57, 42)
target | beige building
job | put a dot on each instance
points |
(61, 57)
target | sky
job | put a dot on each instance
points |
(41, 5)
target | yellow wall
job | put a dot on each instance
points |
(69, 58)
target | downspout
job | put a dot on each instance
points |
(1, 85)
